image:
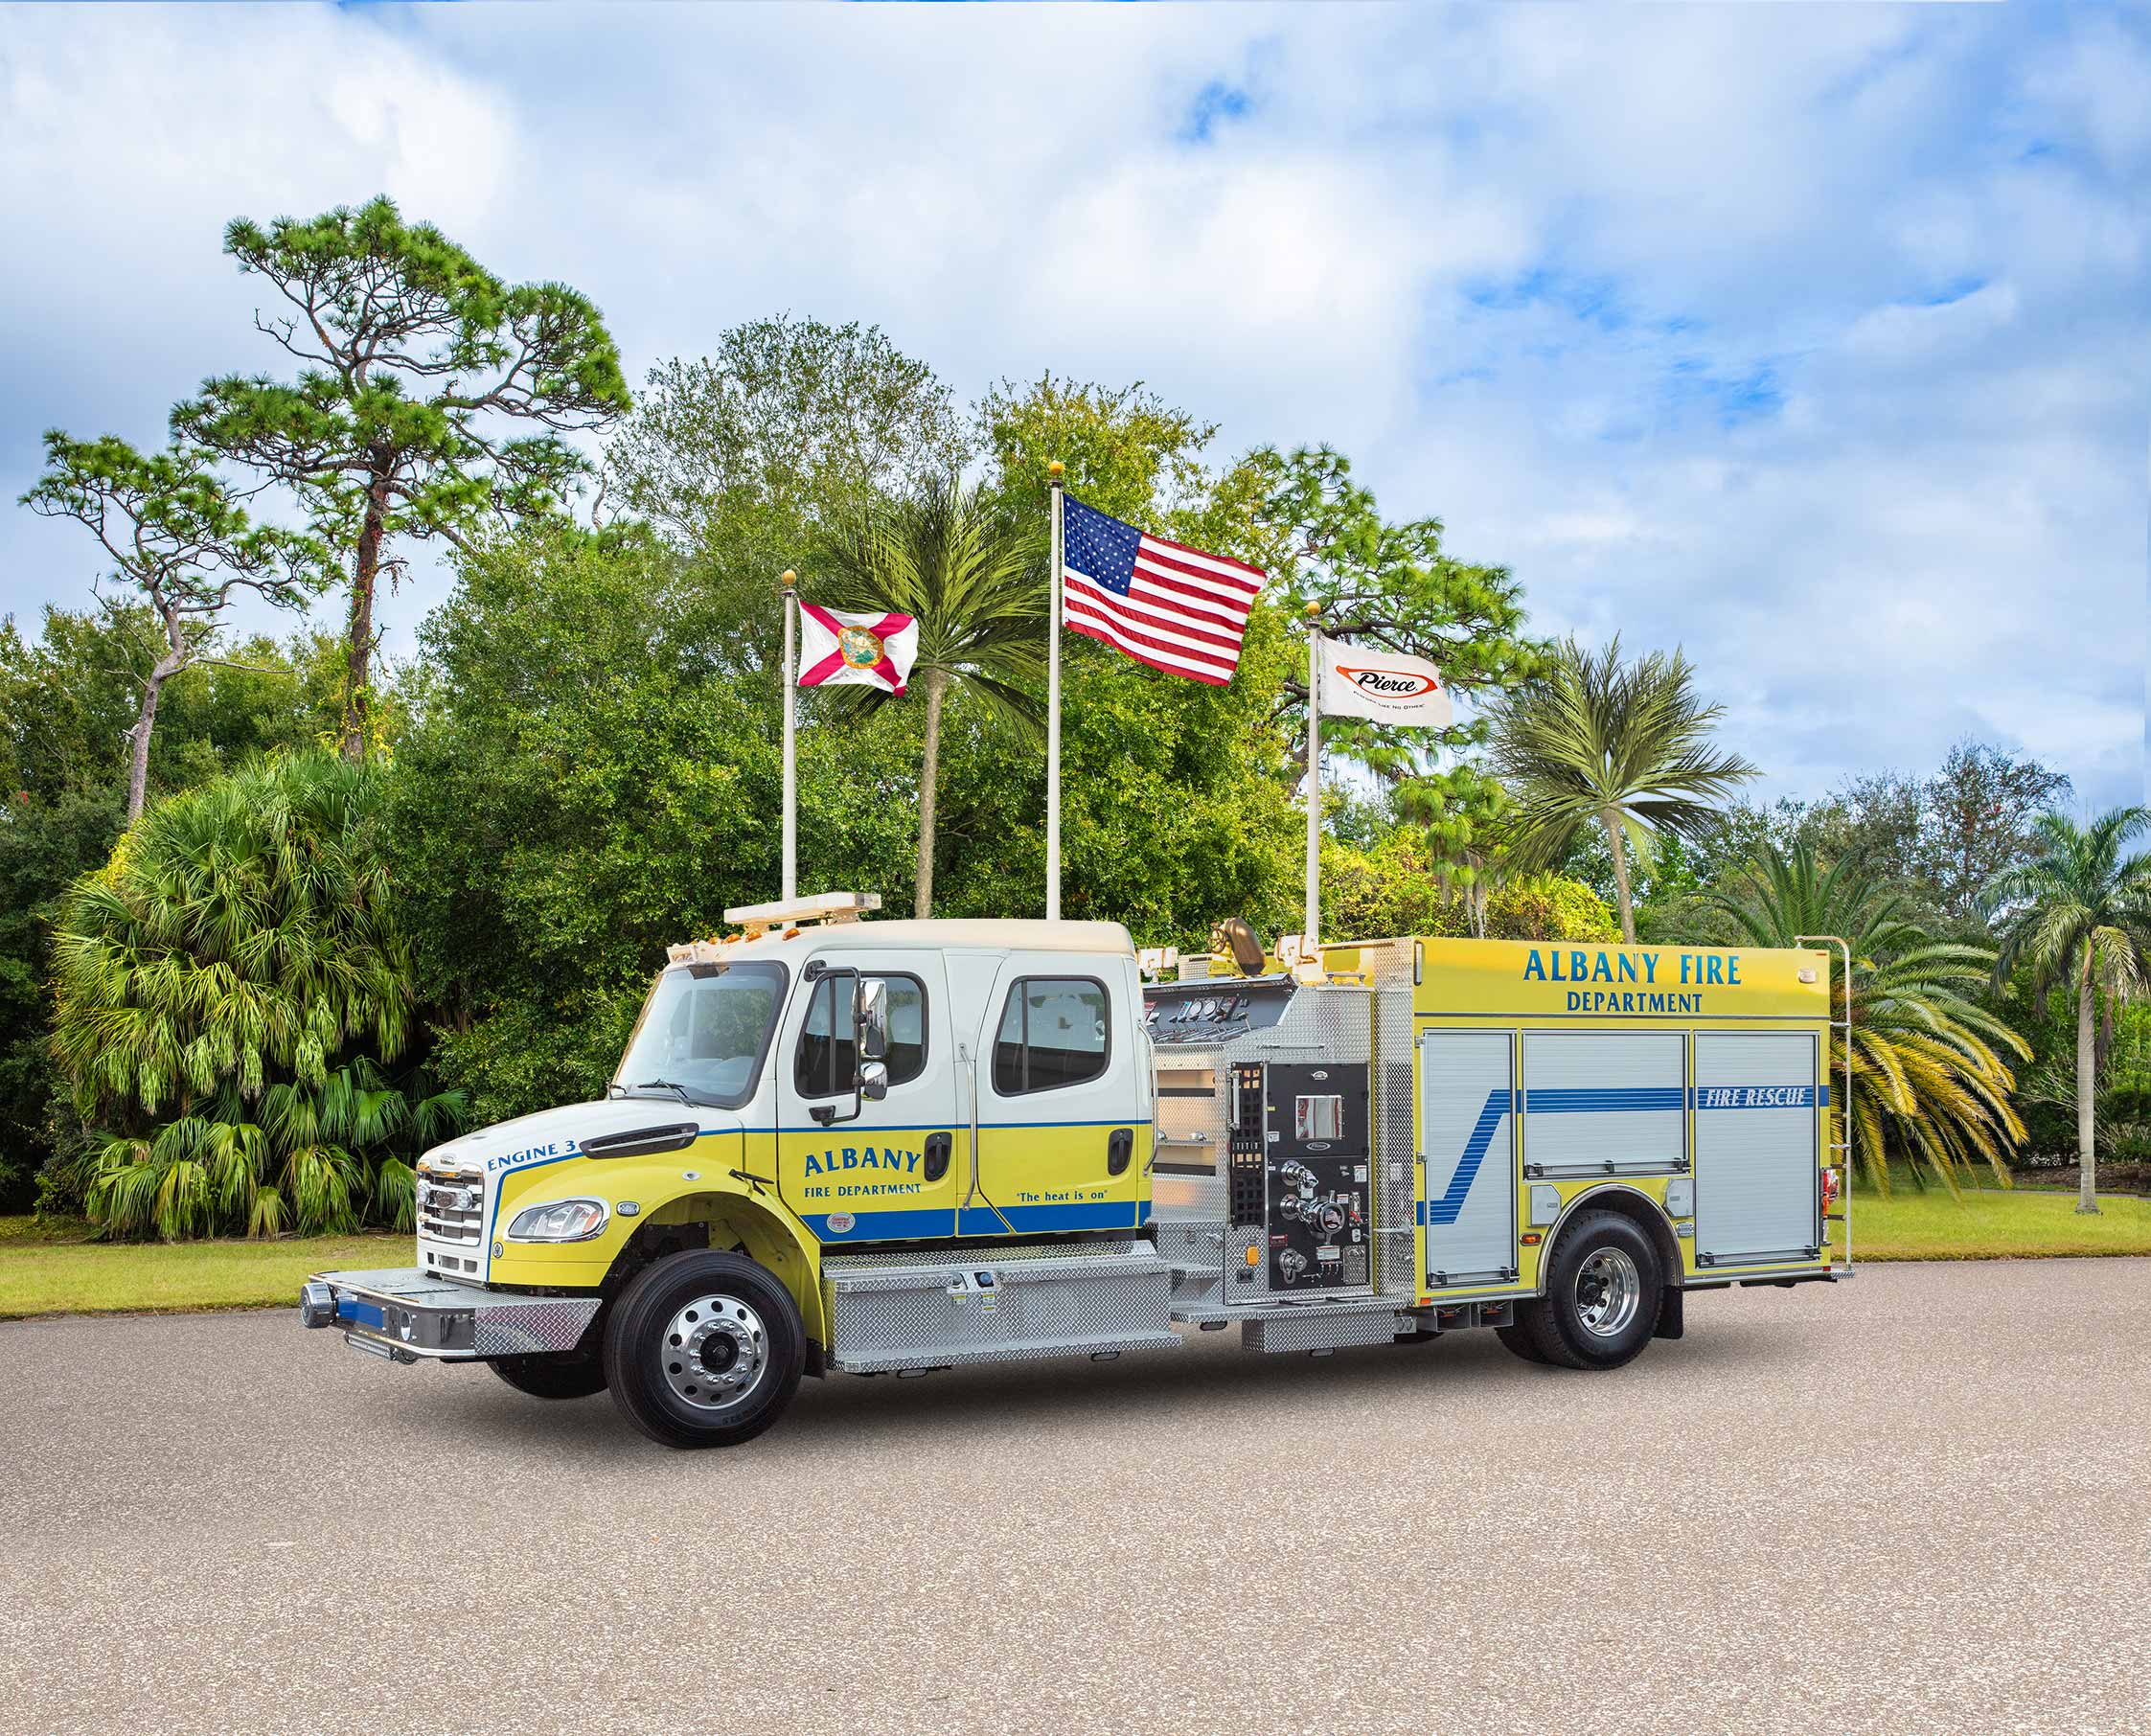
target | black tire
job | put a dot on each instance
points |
(1518, 1338)
(704, 1350)
(1602, 1288)
(572, 1376)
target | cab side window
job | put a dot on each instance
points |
(1054, 1033)
(826, 1063)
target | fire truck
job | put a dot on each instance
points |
(836, 1145)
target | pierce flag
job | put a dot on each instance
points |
(840, 648)
(1387, 687)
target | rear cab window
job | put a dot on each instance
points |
(1055, 1031)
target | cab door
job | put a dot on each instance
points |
(858, 1170)
(1063, 1101)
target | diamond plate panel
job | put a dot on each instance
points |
(529, 1328)
(1323, 1332)
(1397, 1202)
(1044, 1302)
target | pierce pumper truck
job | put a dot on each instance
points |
(840, 1145)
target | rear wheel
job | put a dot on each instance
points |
(704, 1350)
(1602, 1292)
(559, 1376)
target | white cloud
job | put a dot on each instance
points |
(1814, 341)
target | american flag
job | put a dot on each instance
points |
(1161, 603)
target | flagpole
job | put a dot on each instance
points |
(1053, 713)
(1314, 778)
(791, 581)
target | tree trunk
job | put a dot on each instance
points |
(145, 723)
(929, 770)
(358, 647)
(1619, 848)
(2086, 1091)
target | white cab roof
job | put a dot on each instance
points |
(1006, 935)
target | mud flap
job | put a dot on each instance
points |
(1670, 1313)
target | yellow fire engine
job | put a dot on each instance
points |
(836, 1145)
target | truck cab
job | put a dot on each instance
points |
(824, 1112)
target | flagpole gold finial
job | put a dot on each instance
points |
(1054, 469)
(789, 578)
(1313, 609)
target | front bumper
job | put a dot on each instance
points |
(404, 1313)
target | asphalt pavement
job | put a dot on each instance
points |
(1919, 1501)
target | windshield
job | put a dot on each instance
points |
(703, 1032)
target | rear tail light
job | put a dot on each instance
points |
(1830, 1188)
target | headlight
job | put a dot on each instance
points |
(563, 1220)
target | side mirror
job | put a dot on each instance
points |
(872, 1033)
(873, 1081)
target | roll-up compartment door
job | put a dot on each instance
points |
(1758, 1180)
(1468, 1130)
(1605, 1103)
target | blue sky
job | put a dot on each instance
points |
(1812, 341)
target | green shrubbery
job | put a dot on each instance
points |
(231, 991)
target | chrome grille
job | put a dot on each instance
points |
(451, 1205)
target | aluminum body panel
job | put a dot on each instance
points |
(1758, 1133)
(1609, 1102)
(1467, 1117)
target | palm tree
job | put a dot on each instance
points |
(1626, 746)
(981, 599)
(1927, 1079)
(318, 1160)
(227, 992)
(2079, 914)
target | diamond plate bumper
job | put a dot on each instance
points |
(405, 1313)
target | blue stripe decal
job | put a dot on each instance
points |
(1033, 1220)
(976, 1220)
(881, 1227)
(350, 1308)
(1601, 1100)
(1444, 1209)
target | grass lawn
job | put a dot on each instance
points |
(48, 1268)
(51, 1270)
(1990, 1224)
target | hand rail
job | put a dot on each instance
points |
(1844, 1097)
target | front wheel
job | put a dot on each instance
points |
(704, 1350)
(556, 1376)
(1601, 1302)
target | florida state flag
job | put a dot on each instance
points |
(837, 647)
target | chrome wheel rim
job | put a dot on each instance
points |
(1609, 1290)
(715, 1353)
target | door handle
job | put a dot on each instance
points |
(1120, 1149)
(938, 1147)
